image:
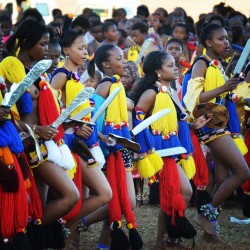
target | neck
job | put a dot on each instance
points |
(70, 66)
(26, 60)
(212, 54)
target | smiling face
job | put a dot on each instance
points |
(77, 51)
(168, 71)
(116, 63)
(40, 50)
(219, 42)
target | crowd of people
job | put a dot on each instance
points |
(162, 74)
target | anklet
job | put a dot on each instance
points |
(209, 211)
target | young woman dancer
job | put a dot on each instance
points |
(30, 43)
(152, 94)
(207, 84)
(110, 61)
(67, 80)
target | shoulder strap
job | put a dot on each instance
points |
(155, 88)
(62, 70)
(106, 79)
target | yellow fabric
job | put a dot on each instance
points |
(188, 166)
(145, 168)
(117, 110)
(71, 172)
(168, 123)
(214, 79)
(12, 70)
(241, 145)
(72, 90)
(133, 53)
(156, 161)
(194, 89)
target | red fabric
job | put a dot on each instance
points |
(123, 190)
(201, 176)
(171, 200)
(114, 206)
(185, 64)
(48, 111)
(78, 182)
(14, 208)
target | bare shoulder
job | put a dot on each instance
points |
(58, 81)
(147, 100)
(103, 89)
(199, 69)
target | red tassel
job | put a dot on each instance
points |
(201, 176)
(13, 209)
(122, 190)
(48, 111)
(114, 207)
(171, 200)
(21, 202)
(78, 182)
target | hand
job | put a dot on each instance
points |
(72, 124)
(105, 138)
(230, 84)
(46, 132)
(201, 121)
(84, 131)
(4, 112)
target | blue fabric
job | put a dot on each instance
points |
(24, 104)
(69, 140)
(99, 100)
(15, 144)
(184, 136)
(185, 80)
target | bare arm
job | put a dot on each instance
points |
(58, 81)
(103, 89)
(147, 99)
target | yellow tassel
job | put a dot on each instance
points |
(71, 172)
(145, 168)
(156, 161)
(241, 145)
(117, 109)
(167, 123)
(188, 166)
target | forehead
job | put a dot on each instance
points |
(219, 32)
(116, 52)
(173, 44)
(180, 28)
(169, 59)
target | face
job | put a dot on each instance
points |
(126, 80)
(54, 55)
(175, 50)
(138, 37)
(116, 63)
(77, 51)
(161, 14)
(219, 42)
(120, 38)
(180, 33)
(169, 71)
(91, 82)
(97, 33)
(154, 22)
(134, 70)
(6, 28)
(40, 50)
(112, 33)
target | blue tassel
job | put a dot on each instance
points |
(233, 122)
(16, 145)
(24, 104)
(158, 142)
(185, 80)
(184, 136)
(4, 139)
(141, 138)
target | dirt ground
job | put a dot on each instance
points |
(236, 236)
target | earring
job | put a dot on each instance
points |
(67, 56)
(158, 82)
(159, 77)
